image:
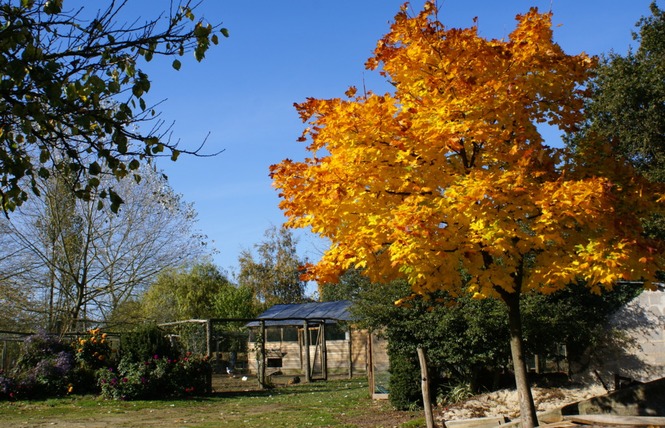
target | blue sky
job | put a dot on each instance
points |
(280, 52)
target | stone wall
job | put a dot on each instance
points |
(639, 400)
(637, 346)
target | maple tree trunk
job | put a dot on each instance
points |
(427, 403)
(527, 407)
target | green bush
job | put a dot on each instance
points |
(404, 382)
(158, 377)
(144, 343)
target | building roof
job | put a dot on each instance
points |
(296, 314)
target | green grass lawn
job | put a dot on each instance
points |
(337, 403)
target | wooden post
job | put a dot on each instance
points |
(349, 337)
(308, 371)
(324, 351)
(427, 404)
(370, 365)
(4, 356)
(217, 355)
(208, 338)
(262, 360)
(209, 354)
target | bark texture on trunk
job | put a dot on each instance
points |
(527, 407)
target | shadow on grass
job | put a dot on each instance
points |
(252, 389)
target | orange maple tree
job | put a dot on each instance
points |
(447, 181)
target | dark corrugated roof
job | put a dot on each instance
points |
(296, 314)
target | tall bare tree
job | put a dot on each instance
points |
(84, 262)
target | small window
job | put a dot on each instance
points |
(335, 332)
(290, 334)
(274, 334)
(274, 363)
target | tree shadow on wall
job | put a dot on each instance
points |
(626, 347)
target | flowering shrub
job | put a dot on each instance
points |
(45, 367)
(158, 377)
(94, 351)
(49, 367)
(7, 387)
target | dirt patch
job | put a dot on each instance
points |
(380, 414)
(235, 383)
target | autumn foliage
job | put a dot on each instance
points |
(447, 181)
